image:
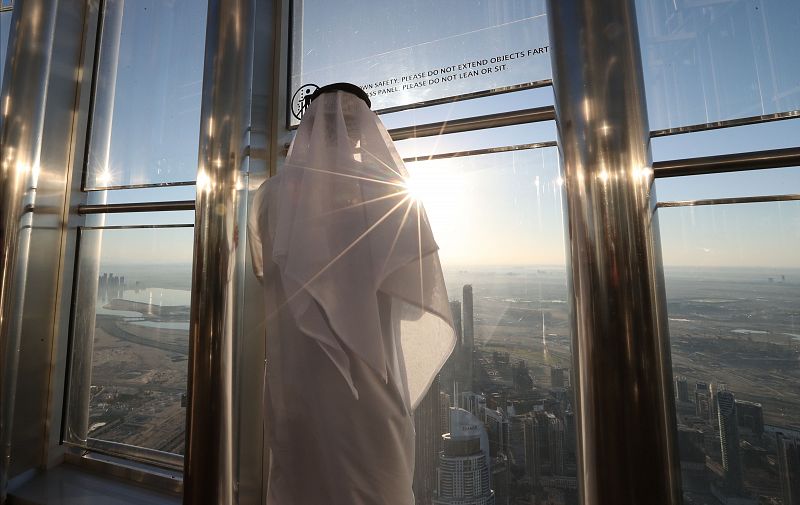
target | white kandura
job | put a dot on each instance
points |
(358, 322)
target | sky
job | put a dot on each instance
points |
(723, 61)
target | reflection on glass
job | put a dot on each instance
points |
(140, 335)
(714, 61)
(406, 52)
(733, 292)
(736, 139)
(531, 133)
(774, 181)
(490, 104)
(498, 223)
(5, 28)
(146, 116)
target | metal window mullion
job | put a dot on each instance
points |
(756, 160)
(115, 208)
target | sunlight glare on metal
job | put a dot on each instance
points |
(203, 181)
(642, 173)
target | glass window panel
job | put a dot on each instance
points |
(146, 115)
(479, 139)
(5, 29)
(407, 52)
(138, 339)
(493, 104)
(143, 218)
(738, 139)
(498, 223)
(733, 293)
(729, 185)
(143, 194)
(714, 61)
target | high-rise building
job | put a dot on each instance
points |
(468, 347)
(473, 403)
(516, 436)
(789, 467)
(497, 427)
(452, 373)
(556, 377)
(444, 412)
(469, 317)
(455, 308)
(682, 389)
(555, 437)
(750, 417)
(691, 446)
(464, 471)
(500, 479)
(729, 440)
(521, 377)
(544, 446)
(702, 400)
(570, 444)
(427, 444)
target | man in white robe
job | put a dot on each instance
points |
(358, 320)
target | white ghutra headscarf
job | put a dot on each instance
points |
(349, 234)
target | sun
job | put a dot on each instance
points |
(415, 187)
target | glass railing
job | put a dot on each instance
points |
(733, 292)
(130, 341)
(498, 223)
(710, 62)
(146, 106)
(404, 54)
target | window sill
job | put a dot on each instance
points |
(75, 485)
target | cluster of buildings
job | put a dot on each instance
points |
(493, 431)
(110, 286)
(497, 431)
(728, 455)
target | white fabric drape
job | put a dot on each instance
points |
(358, 319)
(346, 229)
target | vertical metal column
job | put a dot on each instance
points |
(621, 358)
(210, 466)
(76, 429)
(22, 106)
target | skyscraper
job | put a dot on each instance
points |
(497, 427)
(452, 373)
(544, 446)
(702, 399)
(468, 340)
(789, 467)
(750, 417)
(473, 403)
(516, 437)
(682, 389)
(693, 458)
(427, 442)
(455, 308)
(464, 473)
(729, 440)
(444, 412)
(570, 444)
(556, 377)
